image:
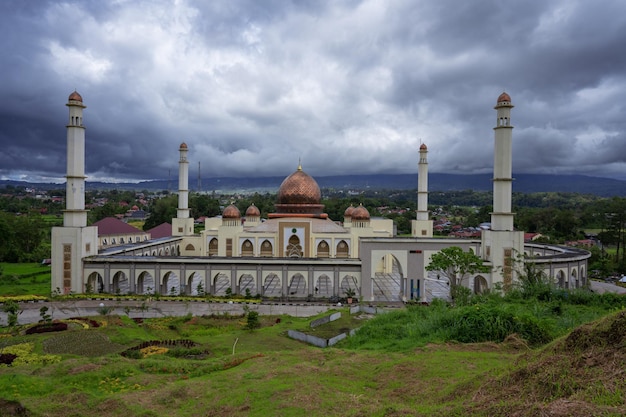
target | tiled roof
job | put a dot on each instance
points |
(113, 226)
(162, 230)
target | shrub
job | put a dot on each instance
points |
(47, 327)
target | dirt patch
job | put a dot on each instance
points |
(583, 373)
(84, 368)
(10, 408)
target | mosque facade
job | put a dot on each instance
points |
(298, 251)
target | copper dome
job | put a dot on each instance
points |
(299, 188)
(75, 97)
(231, 212)
(360, 213)
(183, 146)
(299, 196)
(504, 97)
(253, 211)
(349, 211)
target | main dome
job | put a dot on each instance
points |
(299, 188)
(299, 194)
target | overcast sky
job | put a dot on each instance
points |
(348, 87)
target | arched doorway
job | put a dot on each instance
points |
(349, 282)
(120, 284)
(171, 284)
(387, 281)
(480, 285)
(145, 283)
(324, 286)
(95, 283)
(272, 286)
(221, 284)
(247, 286)
(213, 247)
(195, 286)
(297, 286)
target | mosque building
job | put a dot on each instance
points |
(298, 252)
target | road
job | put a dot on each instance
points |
(601, 287)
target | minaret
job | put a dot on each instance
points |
(74, 241)
(502, 245)
(422, 226)
(75, 214)
(502, 218)
(182, 225)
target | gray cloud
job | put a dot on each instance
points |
(350, 87)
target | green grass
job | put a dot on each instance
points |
(25, 278)
(269, 374)
(404, 362)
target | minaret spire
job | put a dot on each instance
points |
(502, 217)
(75, 240)
(421, 226)
(182, 225)
(75, 214)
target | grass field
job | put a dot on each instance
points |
(268, 374)
(22, 279)
(232, 371)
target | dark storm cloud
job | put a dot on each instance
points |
(349, 87)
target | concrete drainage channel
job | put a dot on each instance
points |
(321, 342)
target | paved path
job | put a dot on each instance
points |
(82, 308)
(601, 287)
(139, 308)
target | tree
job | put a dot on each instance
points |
(161, 211)
(456, 265)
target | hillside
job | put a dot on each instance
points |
(523, 183)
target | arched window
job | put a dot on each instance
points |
(323, 250)
(294, 249)
(247, 249)
(190, 247)
(213, 247)
(266, 248)
(342, 249)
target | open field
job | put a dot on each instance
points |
(268, 374)
(25, 278)
(233, 371)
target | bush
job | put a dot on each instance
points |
(47, 327)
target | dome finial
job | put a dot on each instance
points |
(299, 164)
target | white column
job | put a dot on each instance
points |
(75, 214)
(183, 183)
(501, 217)
(422, 184)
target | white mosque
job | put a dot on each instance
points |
(297, 252)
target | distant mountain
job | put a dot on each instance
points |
(524, 183)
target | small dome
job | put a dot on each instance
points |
(504, 97)
(75, 97)
(231, 212)
(253, 211)
(360, 213)
(423, 147)
(183, 145)
(135, 208)
(349, 211)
